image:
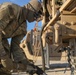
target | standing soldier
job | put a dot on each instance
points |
(13, 25)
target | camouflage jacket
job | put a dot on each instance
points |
(12, 18)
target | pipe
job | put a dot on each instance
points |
(43, 23)
(53, 8)
(44, 11)
(56, 27)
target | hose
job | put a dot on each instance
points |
(42, 50)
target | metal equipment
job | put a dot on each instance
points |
(60, 29)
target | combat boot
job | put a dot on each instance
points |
(7, 62)
(3, 71)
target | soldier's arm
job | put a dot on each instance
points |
(2, 51)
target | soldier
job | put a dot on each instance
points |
(13, 25)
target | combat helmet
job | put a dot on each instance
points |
(34, 6)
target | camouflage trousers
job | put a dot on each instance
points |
(14, 48)
(16, 51)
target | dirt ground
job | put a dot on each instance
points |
(56, 68)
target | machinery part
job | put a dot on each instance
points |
(36, 51)
(72, 53)
(71, 64)
(42, 50)
(53, 20)
(71, 58)
(44, 24)
(52, 23)
(56, 38)
(36, 42)
(26, 45)
(47, 62)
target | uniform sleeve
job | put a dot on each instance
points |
(2, 51)
(5, 16)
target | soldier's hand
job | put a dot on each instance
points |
(39, 19)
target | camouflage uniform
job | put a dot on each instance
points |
(11, 16)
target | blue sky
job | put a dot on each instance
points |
(21, 3)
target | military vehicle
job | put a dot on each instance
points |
(57, 38)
